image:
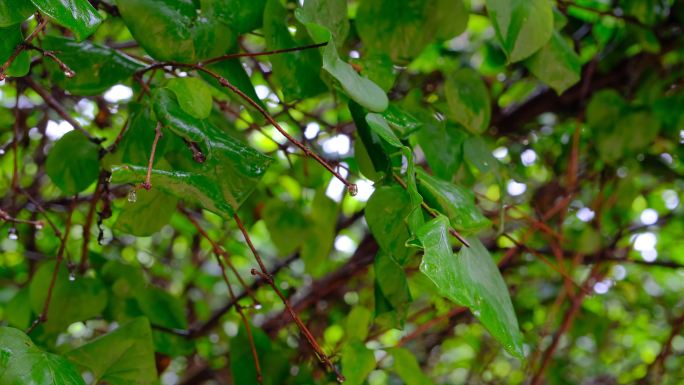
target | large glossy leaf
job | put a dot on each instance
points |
(357, 362)
(122, 357)
(151, 211)
(14, 12)
(73, 163)
(74, 300)
(402, 29)
(406, 366)
(331, 14)
(240, 15)
(193, 95)
(468, 100)
(471, 279)
(97, 67)
(379, 125)
(386, 213)
(222, 182)
(298, 73)
(457, 203)
(372, 143)
(11, 38)
(522, 26)
(443, 147)
(556, 64)
(77, 15)
(22, 363)
(177, 29)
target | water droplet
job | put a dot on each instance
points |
(257, 306)
(72, 276)
(39, 225)
(353, 189)
(69, 73)
(12, 234)
(2, 152)
(132, 196)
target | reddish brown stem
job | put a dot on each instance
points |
(147, 184)
(266, 53)
(85, 249)
(302, 328)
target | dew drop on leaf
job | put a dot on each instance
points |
(12, 234)
(132, 196)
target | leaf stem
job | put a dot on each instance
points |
(147, 184)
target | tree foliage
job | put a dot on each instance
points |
(369, 191)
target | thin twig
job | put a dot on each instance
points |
(21, 47)
(269, 279)
(265, 53)
(147, 184)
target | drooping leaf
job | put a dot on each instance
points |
(379, 125)
(77, 15)
(319, 240)
(14, 12)
(11, 38)
(457, 203)
(330, 14)
(193, 95)
(471, 279)
(386, 213)
(402, 29)
(357, 362)
(522, 26)
(18, 311)
(556, 64)
(443, 147)
(176, 29)
(73, 163)
(358, 323)
(122, 357)
(371, 141)
(402, 121)
(391, 282)
(151, 211)
(97, 67)
(468, 100)
(406, 366)
(298, 73)
(72, 300)
(222, 182)
(22, 363)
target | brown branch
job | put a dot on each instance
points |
(147, 184)
(265, 53)
(85, 249)
(323, 358)
(43, 316)
(657, 367)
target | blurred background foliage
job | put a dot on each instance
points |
(562, 120)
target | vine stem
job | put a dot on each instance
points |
(147, 184)
(265, 53)
(43, 317)
(320, 354)
(21, 47)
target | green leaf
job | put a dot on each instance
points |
(297, 73)
(379, 125)
(241, 16)
(14, 12)
(97, 67)
(11, 38)
(166, 310)
(522, 26)
(72, 300)
(271, 356)
(468, 100)
(471, 279)
(222, 182)
(443, 147)
(234, 72)
(386, 213)
(330, 14)
(122, 357)
(457, 203)
(320, 236)
(357, 362)
(77, 15)
(18, 311)
(73, 163)
(406, 366)
(193, 95)
(556, 64)
(478, 154)
(22, 363)
(177, 30)
(358, 323)
(136, 144)
(371, 141)
(151, 211)
(402, 29)
(391, 282)
(402, 121)
(286, 224)
(358, 88)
